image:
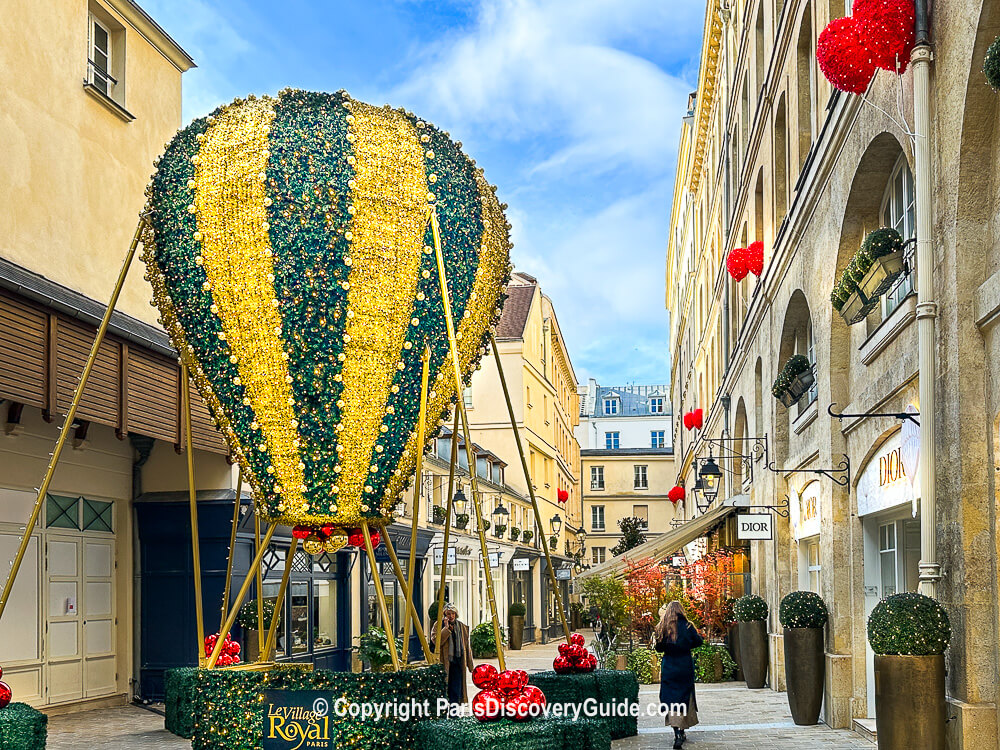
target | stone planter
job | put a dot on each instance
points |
(857, 307)
(882, 275)
(754, 652)
(516, 633)
(909, 702)
(805, 671)
(252, 646)
(734, 650)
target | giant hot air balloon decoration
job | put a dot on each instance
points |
(294, 267)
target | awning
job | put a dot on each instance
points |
(671, 541)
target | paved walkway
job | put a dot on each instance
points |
(732, 718)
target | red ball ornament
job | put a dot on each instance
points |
(486, 705)
(564, 649)
(676, 494)
(843, 57)
(376, 538)
(736, 263)
(521, 678)
(301, 532)
(326, 530)
(518, 708)
(577, 639)
(888, 31)
(562, 665)
(534, 695)
(5, 695)
(233, 648)
(356, 538)
(508, 681)
(485, 676)
(755, 258)
(697, 418)
(592, 663)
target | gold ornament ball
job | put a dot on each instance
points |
(313, 545)
(335, 542)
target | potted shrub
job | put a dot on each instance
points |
(553, 542)
(373, 647)
(247, 619)
(644, 663)
(483, 641)
(803, 616)
(794, 380)
(514, 533)
(909, 634)
(526, 536)
(439, 515)
(517, 611)
(499, 530)
(485, 524)
(712, 663)
(461, 521)
(751, 613)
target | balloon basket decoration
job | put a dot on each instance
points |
(614, 693)
(548, 733)
(574, 657)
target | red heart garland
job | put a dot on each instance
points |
(755, 258)
(697, 418)
(562, 496)
(689, 421)
(736, 263)
(888, 31)
(843, 57)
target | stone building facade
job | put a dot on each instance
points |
(770, 152)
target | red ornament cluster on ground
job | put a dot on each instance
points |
(505, 695)
(230, 653)
(880, 34)
(574, 656)
(6, 694)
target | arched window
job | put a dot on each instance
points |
(898, 213)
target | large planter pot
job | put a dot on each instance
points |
(909, 702)
(252, 646)
(516, 633)
(805, 670)
(753, 652)
(734, 650)
(857, 307)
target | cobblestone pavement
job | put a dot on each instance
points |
(732, 718)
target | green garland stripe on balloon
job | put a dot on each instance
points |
(308, 165)
(184, 280)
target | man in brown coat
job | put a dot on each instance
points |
(456, 653)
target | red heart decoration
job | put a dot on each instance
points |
(689, 421)
(736, 263)
(843, 57)
(888, 31)
(755, 258)
(697, 418)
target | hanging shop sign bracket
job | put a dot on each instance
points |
(900, 415)
(840, 474)
(781, 509)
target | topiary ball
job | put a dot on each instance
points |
(909, 625)
(991, 65)
(843, 58)
(802, 609)
(750, 608)
(879, 243)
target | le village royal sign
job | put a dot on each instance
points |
(297, 720)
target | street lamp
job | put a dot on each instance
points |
(499, 513)
(459, 502)
(581, 537)
(710, 475)
(555, 523)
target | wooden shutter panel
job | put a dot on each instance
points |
(102, 395)
(153, 398)
(23, 334)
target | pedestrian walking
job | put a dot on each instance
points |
(675, 637)
(456, 653)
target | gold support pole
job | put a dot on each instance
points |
(447, 535)
(232, 545)
(43, 490)
(260, 578)
(473, 481)
(240, 596)
(410, 608)
(531, 488)
(426, 362)
(193, 504)
(271, 640)
(390, 636)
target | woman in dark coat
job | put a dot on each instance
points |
(675, 637)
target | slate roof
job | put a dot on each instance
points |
(591, 452)
(515, 310)
(633, 400)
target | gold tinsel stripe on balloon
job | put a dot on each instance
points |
(493, 269)
(389, 197)
(236, 254)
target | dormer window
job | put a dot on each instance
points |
(610, 406)
(656, 406)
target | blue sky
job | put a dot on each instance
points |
(573, 108)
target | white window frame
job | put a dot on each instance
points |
(610, 407)
(898, 211)
(93, 78)
(596, 478)
(658, 438)
(597, 512)
(612, 440)
(645, 521)
(640, 476)
(656, 405)
(598, 555)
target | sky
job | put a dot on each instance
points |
(573, 109)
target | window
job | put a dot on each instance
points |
(99, 64)
(898, 213)
(610, 406)
(640, 481)
(657, 438)
(467, 397)
(642, 513)
(597, 477)
(611, 441)
(597, 518)
(80, 513)
(325, 613)
(656, 406)
(598, 555)
(887, 558)
(812, 564)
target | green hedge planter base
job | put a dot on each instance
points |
(22, 728)
(223, 709)
(608, 687)
(543, 733)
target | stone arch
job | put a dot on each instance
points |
(806, 82)
(780, 168)
(796, 338)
